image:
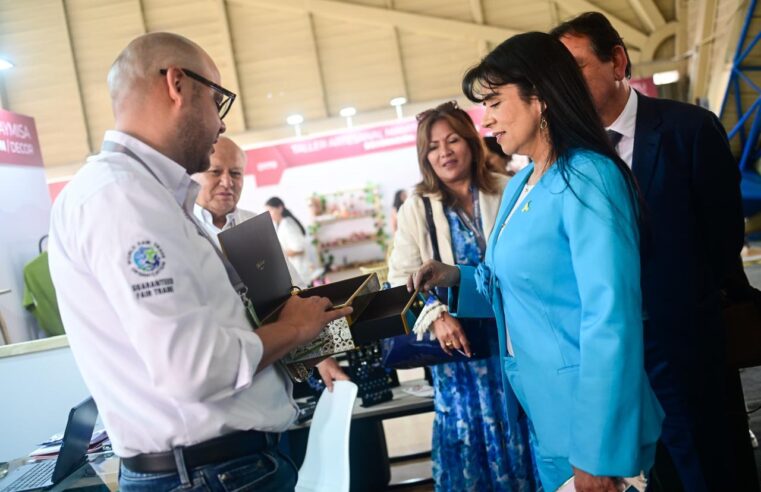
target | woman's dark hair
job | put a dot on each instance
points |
(276, 202)
(540, 66)
(398, 199)
(481, 177)
(602, 35)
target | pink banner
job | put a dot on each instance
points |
(18, 140)
(268, 163)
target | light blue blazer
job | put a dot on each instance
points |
(564, 278)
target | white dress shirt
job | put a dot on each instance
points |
(626, 124)
(231, 220)
(158, 333)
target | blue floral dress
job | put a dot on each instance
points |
(474, 447)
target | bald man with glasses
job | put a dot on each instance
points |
(190, 395)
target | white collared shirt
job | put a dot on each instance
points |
(231, 220)
(626, 124)
(158, 333)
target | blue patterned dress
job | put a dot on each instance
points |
(471, 449)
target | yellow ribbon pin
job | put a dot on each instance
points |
(526, 206)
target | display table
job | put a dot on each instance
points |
(367, 446)
(401, 405)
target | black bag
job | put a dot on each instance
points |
(406, 352)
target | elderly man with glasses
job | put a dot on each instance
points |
(190, 395)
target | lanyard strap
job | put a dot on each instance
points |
(232, 275)
(474, 225)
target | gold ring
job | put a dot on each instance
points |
(448, 344)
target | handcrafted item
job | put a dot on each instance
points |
(254, 251)
(392, 312)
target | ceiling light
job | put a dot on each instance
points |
(295, 120)
(347, 113)
(663, 78)
(397, 103)
(5, 64)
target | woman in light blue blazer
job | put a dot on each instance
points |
(561, 272)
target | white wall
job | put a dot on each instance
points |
(38, 390)
(24, 219)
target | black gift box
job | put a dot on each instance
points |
(254, 250)
(391, 312)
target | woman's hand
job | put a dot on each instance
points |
(330, 371)
(433, 274)
(584, 482)
(450, 335)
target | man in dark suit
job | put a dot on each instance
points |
(690, 183)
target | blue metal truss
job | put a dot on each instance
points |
(749, 141)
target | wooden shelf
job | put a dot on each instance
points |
(331, 219)
(323, 247)
(360, 204)
(349, 191)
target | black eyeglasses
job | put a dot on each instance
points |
(447, 107)
(225, 98)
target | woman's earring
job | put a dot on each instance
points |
(543, 124)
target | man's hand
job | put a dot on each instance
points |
(433, 274)
(298, 323)
(307, 316)
(450, 335)
(584, 482)
(330, 371)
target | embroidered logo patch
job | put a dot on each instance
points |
(146, 258)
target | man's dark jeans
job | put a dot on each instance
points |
(267, 471)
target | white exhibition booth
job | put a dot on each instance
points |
(40, 380)
(24, 215)
(294, 169)
(382, 157)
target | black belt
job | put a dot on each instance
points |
(217, 450)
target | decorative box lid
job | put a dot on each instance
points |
(254, 250)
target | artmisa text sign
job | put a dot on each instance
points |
(19, 144)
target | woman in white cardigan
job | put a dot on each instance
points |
(475, 445)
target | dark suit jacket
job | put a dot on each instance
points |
(690, 182)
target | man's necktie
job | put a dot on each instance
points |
(614, 137)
